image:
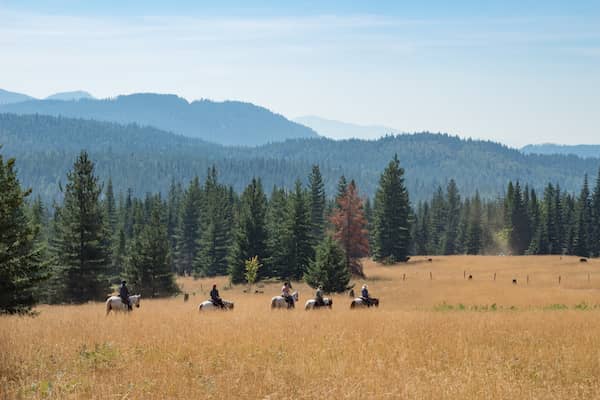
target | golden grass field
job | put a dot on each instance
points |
(433, 339)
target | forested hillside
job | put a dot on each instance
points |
(229, 122)
(148, 160)
(581, 150)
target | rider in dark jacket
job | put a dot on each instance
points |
(215, 298)
(319, 297)
(364, 293)
(124, 294)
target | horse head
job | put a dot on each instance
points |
(295, 296)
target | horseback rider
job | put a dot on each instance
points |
(319, 302)
(364, 295)
(286, 293)
(215, 298)
(124, 294)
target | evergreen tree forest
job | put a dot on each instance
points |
(79, 249)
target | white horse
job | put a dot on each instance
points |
(312, 304)
(279, 301)
(210, 306)
(359, 302)
(115, 303)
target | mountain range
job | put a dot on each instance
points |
(344, 130)
(227, 123)
(147, 159)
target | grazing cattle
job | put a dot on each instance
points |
(312, 304)
(430, 259)
(359, 302)
(186, 297)
(210, 306)
(583, 260)
(279, 301)
(514, 281)
(470, 277)
(114, 303)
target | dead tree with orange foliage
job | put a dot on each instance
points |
(350, 228)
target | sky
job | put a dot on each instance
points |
(516, 72)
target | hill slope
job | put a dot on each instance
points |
(581, 150)
(147, 159)
(229, 122)
(7, 97)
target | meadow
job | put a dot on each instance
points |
(436, 335)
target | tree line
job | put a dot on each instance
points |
(77, 250)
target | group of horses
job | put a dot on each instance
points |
(114, 303)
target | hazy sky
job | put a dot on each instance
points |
(511, 71)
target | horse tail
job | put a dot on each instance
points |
(353, 304)
(200, 307)
(108, 307)
(330, 305)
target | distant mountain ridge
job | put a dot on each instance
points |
(580, 150)
(227, 123)
(70, 96)
(343, 130)
(7, 97)
(147, 159)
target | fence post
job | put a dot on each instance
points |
(528, 279)
(494, 277)
(588, 277)
(403, 277)
(430, 275)
(559, 279)
(464, 274)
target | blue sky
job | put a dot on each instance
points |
(515, 72)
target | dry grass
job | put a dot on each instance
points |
(421, 343)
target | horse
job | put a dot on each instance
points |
(210, 306)
(279, 301)
(115, 303)
(360, 303)
(312, 304)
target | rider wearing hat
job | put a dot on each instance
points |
(319, 297)
(364, 294)
(124, 294)
(215, 298)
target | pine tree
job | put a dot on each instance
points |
(369, 217)
(298, 226)
(173, 211)
(215, 240)
(149, 266)
(350, 229)
(421, 237)
(80, 244)
(438, 220)
(188, 231)
(519, 236)
(250, 238)
(341, 188)
(463, 227)
(452, 219)
(474, 230)
(317, 205)
(279, 236)
(329, 268)
(584, 220)
(21, 266)
(110, 209)
(595, 234)
(392, 209)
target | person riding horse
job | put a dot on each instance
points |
(365, 295)
(124, 294)
(286, 293)
(215, 298)
(319, 302)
